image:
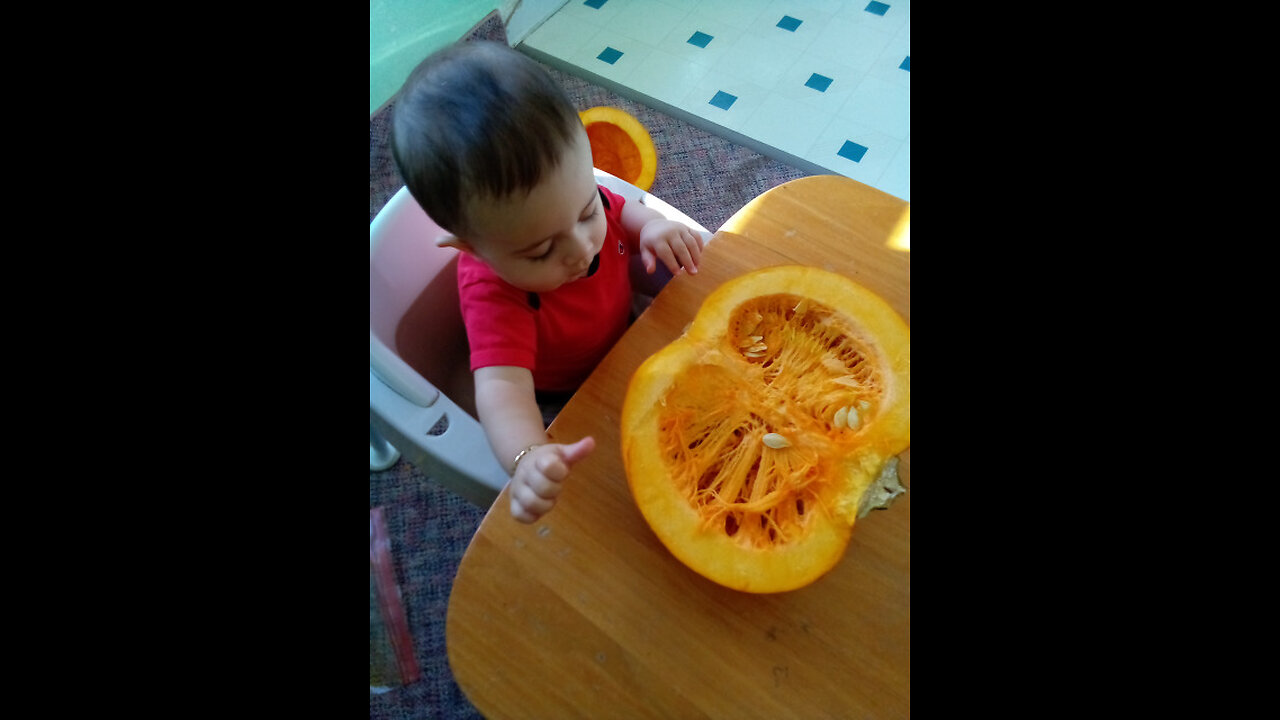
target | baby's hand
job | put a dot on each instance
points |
(539, 474)
(675, 243)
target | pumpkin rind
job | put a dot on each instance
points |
(620, 145)
(710, 389)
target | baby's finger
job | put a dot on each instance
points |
(553, 470)
(668, 258)
(697, 242)
(694, 245)
(573, 454)
(684, 257)
(519, 511)
(520, 514)
(648, 259)
(546, 487)
(525, 501)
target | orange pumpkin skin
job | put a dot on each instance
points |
(620, 145)
(779, 352)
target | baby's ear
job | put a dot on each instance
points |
(455, 242)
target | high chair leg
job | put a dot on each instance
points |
(382, 454)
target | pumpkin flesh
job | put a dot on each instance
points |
(780, 351)
(620, 145)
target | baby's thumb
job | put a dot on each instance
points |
(579, 450)
(649, 260)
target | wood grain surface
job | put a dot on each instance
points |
(586, 614)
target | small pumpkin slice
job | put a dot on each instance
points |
(620, 145)
(730, 437)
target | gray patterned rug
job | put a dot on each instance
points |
(706, 177)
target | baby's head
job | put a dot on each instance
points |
(492, 149)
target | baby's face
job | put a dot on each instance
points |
(540, 242)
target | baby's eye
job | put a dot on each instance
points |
(545, 255)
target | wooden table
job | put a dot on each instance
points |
(585, 613)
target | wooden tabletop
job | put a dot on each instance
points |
(586, 614)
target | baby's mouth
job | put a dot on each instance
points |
(595, 265)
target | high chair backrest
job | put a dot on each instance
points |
(414, 322)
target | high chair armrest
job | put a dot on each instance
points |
(397, 375)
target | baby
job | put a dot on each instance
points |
(492, 149)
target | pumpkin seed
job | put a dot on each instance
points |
(775, 441)
(834, 365)
(852, 419)
(841, 417)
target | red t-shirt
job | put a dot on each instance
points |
(560, 336)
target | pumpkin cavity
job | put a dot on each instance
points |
(749, 434)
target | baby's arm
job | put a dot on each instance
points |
(512, 421)
(675, 243)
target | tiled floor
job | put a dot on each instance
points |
(825, 84)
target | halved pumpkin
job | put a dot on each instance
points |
(620, 145)
(750, 442)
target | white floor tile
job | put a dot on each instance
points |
(888, 67)
(665, 77)
(896, 178)
(562, 35)
(738, 14)
(882, 106)
(604, 15)
(747, 97)
(814, 12)
(856, 45)
(634, 54)
(648, 22)
(881, 150)
(723, 36)
(783, 124)
(788, 42)
(755, 58)
(792, 83)
(899, 13)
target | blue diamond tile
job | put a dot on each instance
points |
(906, 63)
(595, 3)
(723, 100)
(877, 8)
(700, 39)
(852, 150)
(609, 55)
(789, 23)
(818, 82)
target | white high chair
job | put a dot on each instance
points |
(421, 394)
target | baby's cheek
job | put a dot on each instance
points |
(599, 233)
(602, 228)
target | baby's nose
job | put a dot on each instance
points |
(582, 248)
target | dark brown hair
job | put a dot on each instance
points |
(477, 118)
